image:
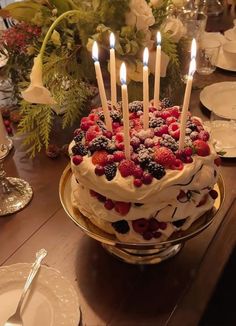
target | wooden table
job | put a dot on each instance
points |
(111, 292)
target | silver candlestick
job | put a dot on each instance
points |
(15, 193)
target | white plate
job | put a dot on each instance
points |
(52, 300)
(223, 135)
(223, 62)
(220, 98)
(230, 34)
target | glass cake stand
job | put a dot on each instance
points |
(136, 253)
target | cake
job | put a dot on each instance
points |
(160, 190)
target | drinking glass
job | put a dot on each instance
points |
(207, 56)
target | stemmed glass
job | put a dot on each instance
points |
(15, 193)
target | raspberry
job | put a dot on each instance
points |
(138, 172)
(119, 137)
(159, 131)
(165, 114)
(147, 178)
(99, 158)
(109, 204)
(188, 151)
(107, 133)
(99, 170)
(178, 165)
(162, 225)
(204, 135)
(170, 120)
(110, 158)
(201, 147)
(175, 112)
(188, 159)
(138, 183)
(121, 226)
(93, 117)
(120, 146)
(156, 170)
(119, 156)
(213, 193)
(174, 130)
(77, 159)
(217, 161)
(140, 225)
(85, 124)
(164, 156)
(110, 171)
(135, 142)
(126, 168)
(149, 142)
(147, 235)
(122, 207)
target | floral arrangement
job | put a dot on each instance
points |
(68, 70)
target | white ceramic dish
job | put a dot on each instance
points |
(223, 63)
(220, 98)
(223, 135)
(52, 300)
(230, 34)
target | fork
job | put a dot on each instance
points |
(16, 319)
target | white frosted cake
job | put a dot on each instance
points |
(160, 190)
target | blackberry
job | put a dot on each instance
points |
(144, 156)
(169, 142)
(136, 106)
(101, 116)
(79, 149)
(191, 125)
(98, 143)
(79, 137)
(121, 226)
(110, 171)
(166, 103)
(101, 124)
(115, 115)
(156, 122)
(156, 170)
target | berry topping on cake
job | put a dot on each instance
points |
(156, 122)
(126, 168)
(110, 171)
(79, 149)
(156, 170)
(138, 183)
(99, 170)
(164, 156)
(166, 103)
(98, 143)
(121, 226)
(159, 131)
(213, 193)
(122, 207)
(169, 142)
(140, 225)
(201, 147)
(77, 159)
(136, 106)
(99, 158)
(204, 135)
(109, 204)
(174, 130)
(147, 178)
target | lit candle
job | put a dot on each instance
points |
(145, 90)
(157, 71)
(113, 70)
(187, 94)
(101, 87)
(125, 107)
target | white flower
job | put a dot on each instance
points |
(164, 62)
(156, 3)
(36, 92)
(140, 15)
(175, 28)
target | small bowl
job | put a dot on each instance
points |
(229, 50)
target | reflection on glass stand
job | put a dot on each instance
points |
(15, 193)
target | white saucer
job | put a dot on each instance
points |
(223, 135)
(230, 34)
(52, 300)
(223, 63)
(220, 98)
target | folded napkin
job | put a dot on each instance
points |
(215, 36)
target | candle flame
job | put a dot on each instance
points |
(158, 38)
(193, 49)
(112, 41)
(145, 56)
(192, 67)
(95, 51)
(123, 73)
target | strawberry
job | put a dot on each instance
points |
(126, 168)
(164, 156)
(140, 225)
(174, 130)
(201, 147)
(122, 207)
(99, 158)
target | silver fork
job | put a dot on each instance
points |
(16, 319)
